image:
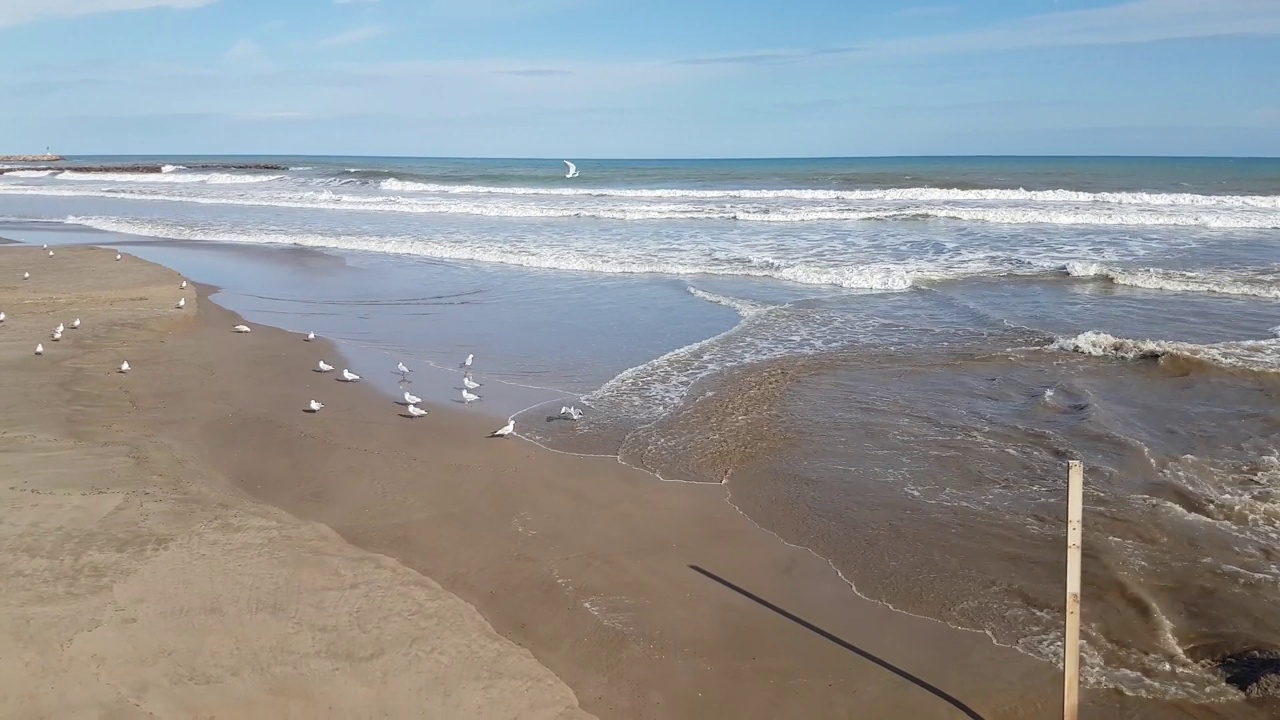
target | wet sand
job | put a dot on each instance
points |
(140, 553)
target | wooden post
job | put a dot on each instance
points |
(1071, 645)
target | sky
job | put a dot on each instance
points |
(641, 78)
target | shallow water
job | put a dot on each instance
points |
(888, 361)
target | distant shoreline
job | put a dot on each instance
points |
(144, 168)
(31, 158)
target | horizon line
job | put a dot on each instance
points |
(696, 159)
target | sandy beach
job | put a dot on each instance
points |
(186, 541)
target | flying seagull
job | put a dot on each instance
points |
(323, 366)
(310, 336)
(411, 399)
(467, 362)
(242, 329)
(505, 430)
(348, 376)
(415, 411)
(315, 406)
(573, 170)
(470, 384)
(124, 367)
(39, 349)
(75, 324)
(468, 397)
(182, 302)
(569, 412)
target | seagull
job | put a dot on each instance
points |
(349, 376)
(182, 302)
(1, 316)
(415, 411)
(469, 397)
(323, 366)
(411, 399)
(183, 286)
(470, 384)
(75, 324)
(569, 412)
(118, 256)
(44, 247)
(242, 329)
(57, 335)
(315, 406)
(505, 430)
(310, 336)
(26, 276)
(39, 349)
(59, 329)
(124, 367)
(467, 362)
(403, 370)
(50, 253)
(573, 170)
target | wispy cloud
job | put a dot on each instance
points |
(497, 8)
(21, 12)
(765, 58)
(535, 72)
(244, 49)
(353, 36)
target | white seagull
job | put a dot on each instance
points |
(182, 302)
(75, 324)
(26, 276)
(242, 329)
(469, 397)
(505, 430)
(415, 411)
(310, 336)
(323, 366)
(118, 256)
(315, 406)
(348, 376)
(44, 247)
(411, 399)
(50, 253)
(468, 361)
(573, 170)
(39, 349)
(183, 286)
(124, 367)
(1, 316)
(569, 412)
(470, 384)
(57, 335)
(60, 328)
(403, 370)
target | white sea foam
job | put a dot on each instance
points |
(172, 168)
(744, 307)
(170, 176)
(28, 173)
(1175, 280)
(640, 206)
(1255, 355)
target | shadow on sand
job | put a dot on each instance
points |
(884, 664)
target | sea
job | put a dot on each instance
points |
(886, 361)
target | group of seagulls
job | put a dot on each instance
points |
(411, 401)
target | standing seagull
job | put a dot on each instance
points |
(39, 349)
(26, 276)
(348, 376)
(470, 384)
(315, 406)
(505, 430)
(59, 329)
(242, 329)
(183, 286)
(573, 170)
(310, 336)
(182, 302)
(415, 411)
(50, 253)
(124, 367)
(403, 370)
(323, 366)
(469, 397)
(467, 362)
(57, 335)
(118, 256)
(75, 324)
(411, 399)
(1, 316)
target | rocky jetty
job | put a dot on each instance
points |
(31, 158)
(143, 169)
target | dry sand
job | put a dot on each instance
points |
(136, 583)
(144, 575)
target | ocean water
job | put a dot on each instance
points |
(888, 360)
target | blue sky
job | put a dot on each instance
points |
(641, 78)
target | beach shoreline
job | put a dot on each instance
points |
(648, 599)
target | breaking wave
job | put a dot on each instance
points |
(1177, 280)
(1252, 355)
